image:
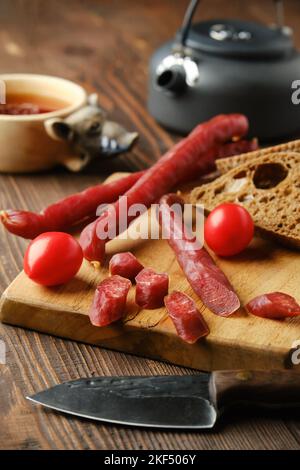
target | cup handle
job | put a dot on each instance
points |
(57, 129)
(74, 163)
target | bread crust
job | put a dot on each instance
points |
(228, 163)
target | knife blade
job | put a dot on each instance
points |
(186, 402)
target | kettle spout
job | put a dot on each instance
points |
(172, 79)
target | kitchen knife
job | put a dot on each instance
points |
(189, 402)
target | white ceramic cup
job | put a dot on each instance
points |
(24, 142)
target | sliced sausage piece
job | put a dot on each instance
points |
(109, 301)
(274, 305)
(189, 323)
(125, 265)
(205, 277)
(151, 288)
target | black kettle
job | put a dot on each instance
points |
(228, 66)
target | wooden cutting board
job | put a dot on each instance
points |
(241, 341)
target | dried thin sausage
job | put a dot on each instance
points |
(238, 147)
(193, 156)
(205, 277)
(67, 212)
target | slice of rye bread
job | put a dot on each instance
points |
(226, 164)
(268, 187)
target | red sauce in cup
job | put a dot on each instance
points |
(26, 104)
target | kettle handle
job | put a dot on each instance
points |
(190, 12)
(187, 22)
(279, 12)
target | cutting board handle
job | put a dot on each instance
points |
(262, 388)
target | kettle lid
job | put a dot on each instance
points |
(237, 38)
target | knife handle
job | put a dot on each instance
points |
(262, 388)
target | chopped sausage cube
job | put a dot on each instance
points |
(151, 288)
(109, 302)
(188, 321)
(125, 265)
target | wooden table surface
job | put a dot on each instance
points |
(104, 45)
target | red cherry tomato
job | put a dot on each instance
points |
(228, 229)
(52, 258)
